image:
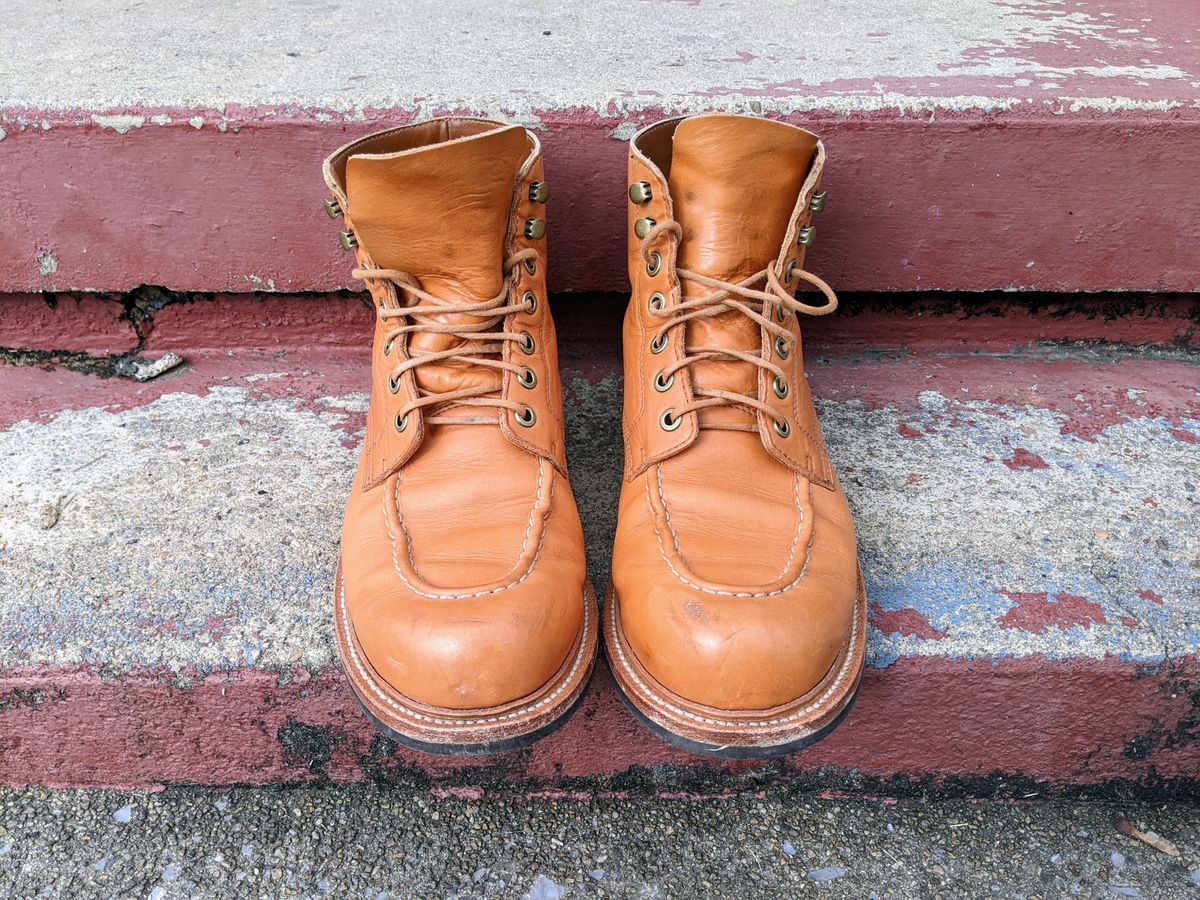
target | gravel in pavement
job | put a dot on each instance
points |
(379, 842)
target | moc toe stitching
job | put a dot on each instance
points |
(721, 592)
(430, 593)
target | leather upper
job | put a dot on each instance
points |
(735, 562)
(462, 551)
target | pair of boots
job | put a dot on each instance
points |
(735, 622)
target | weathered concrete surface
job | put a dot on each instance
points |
(384, 842)
(1025, 488)
(976, 146)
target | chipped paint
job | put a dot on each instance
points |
(47, 263)
(121, 123)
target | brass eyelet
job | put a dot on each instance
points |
(663, 384)
(780, 387)
(790, 273)
(539, 191)
(526, 343)
(655, 264)
(642, 226)
(530, 265)
(807, 236)
(526, 417)
(393, 385)
(527, 378)
(781, 348)
(782, 428)
(817, 203)
(347, 240)
(535, 229)
(780, 314)
(530, 301)
(668, 421)
(332, 208)
(639, 192)
(387, 346)
(401, 422)
(658, 344)
(657, 302)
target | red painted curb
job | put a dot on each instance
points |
(938, 722)
(1020, 199)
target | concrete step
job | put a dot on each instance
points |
(1023, 476)
(976, 146)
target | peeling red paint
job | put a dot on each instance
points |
(1182, 434)
(1025, 459)
(1129, 621)
(907, 431)
(1152, 596)
(1036, 612)
(908, 622)
(1064, 721)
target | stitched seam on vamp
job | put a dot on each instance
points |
(667, 559)
(467, 596)
(658, 699)
(363, 674)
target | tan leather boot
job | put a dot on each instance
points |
(736, 620)
(464, 618)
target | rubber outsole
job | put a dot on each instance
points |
(731, 751)
(502, 746)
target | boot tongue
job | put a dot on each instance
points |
(734, 182)
(441, 213)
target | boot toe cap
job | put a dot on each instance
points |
(738, 653)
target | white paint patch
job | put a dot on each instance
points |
(121, 124)
(47, 263)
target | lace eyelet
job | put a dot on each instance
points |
(526, 417)
(387, 346)
(393, 385)
(527, 378)
(790, 273)
(780, 387)
(657, 302)
(655, 265)
(781, 348)
(668, 420)
(663, 384)
(530, 301)
(658, 344)
(527, 343)
(530, 265)
(782, 428)
(401, 422)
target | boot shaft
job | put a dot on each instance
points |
(724, 198)
(435, 213)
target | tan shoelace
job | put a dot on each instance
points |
(486, 348)
(744, 297)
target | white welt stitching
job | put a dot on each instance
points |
(662, 549)
(449, 595)
(405, 711)
(615, 641)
